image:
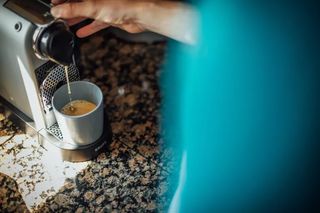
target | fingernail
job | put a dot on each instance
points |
(55, 11)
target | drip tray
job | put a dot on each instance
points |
(73, 152)
(55, 131)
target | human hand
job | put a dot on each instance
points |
(170, 18)
(117, 13)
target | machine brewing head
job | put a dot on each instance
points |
(55, 42)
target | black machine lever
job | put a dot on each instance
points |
(56, 42)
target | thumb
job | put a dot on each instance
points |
(74, 10)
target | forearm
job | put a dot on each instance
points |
(173, 19)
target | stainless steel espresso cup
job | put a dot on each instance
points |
(82, 129)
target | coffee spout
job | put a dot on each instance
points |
(56, 43)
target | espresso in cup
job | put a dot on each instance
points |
(78, 107)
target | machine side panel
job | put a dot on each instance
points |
(17, 64)
(11, 83)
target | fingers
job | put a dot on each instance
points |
(131, 28)
(105, 15)
(71, 21)
(74, 21)
(89, 29)
(57, 1)
(74, 10)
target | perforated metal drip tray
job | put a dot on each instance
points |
(55, 131)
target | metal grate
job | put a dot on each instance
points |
(50, 77)
(42, 71)
(55, 131)
(54, 79)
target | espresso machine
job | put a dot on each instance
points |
(34, 48)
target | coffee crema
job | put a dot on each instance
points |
(78, 107)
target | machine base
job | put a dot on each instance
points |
(58, 148)
(72, 153)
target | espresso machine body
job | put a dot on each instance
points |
(34, 48)
(17, 65)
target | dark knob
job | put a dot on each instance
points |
(56, 43)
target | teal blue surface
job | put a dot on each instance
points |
(244, 105)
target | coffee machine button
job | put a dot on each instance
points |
(18, 26)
